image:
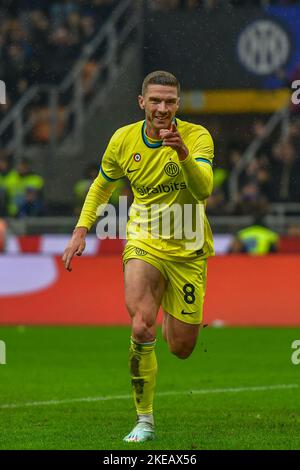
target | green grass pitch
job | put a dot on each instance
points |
(225, 396)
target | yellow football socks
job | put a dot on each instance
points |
(143, 369)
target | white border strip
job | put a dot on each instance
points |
(263, 388)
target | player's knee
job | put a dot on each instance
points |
(143, 331)
(182, 351)
(182, 354)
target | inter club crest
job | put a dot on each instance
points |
(172, 169)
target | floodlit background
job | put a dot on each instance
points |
(70, 74)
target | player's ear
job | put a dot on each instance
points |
(178, 102)
(141, 101)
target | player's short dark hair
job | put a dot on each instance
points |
(160, 77)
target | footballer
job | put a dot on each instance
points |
(168, 163)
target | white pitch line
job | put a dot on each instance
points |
(204, 391)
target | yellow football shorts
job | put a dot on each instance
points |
(186, 284)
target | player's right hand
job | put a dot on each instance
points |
(76, 246)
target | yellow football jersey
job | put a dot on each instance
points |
(159, 189)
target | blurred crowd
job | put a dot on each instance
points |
(273, 175)
(21, 189)
(41, 39)
(39, 42)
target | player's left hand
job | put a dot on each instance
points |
(172, 138)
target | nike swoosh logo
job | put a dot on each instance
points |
(131, 171)
(186, 313)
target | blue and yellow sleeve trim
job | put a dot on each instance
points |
(205, 160)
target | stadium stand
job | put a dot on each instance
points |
(42, 41)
